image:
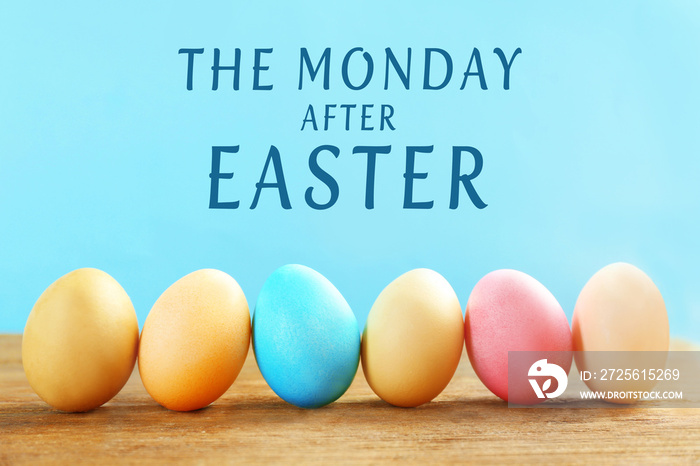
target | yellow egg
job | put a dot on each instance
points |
(413, 339)
(620, 311)
(195, 340)
(80, 342)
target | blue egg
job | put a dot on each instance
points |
(305, 337)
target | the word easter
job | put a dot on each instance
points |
(274, 162)
(437, 68)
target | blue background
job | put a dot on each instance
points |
(589, 158)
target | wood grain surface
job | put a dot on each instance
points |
(249, 423)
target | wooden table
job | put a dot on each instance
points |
(250, 424)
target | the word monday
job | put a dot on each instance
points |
(437, 68)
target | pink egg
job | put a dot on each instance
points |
(507, 311)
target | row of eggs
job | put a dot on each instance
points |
(81, 340)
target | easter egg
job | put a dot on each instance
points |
(413, 339)
(620, 309)
(619, 312)
(509, 310)
(305, 337)
(195, 340)
(80, 342)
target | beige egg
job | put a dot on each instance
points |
(413, 339)
(620, 310)
(195, 340)
(81, 340)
